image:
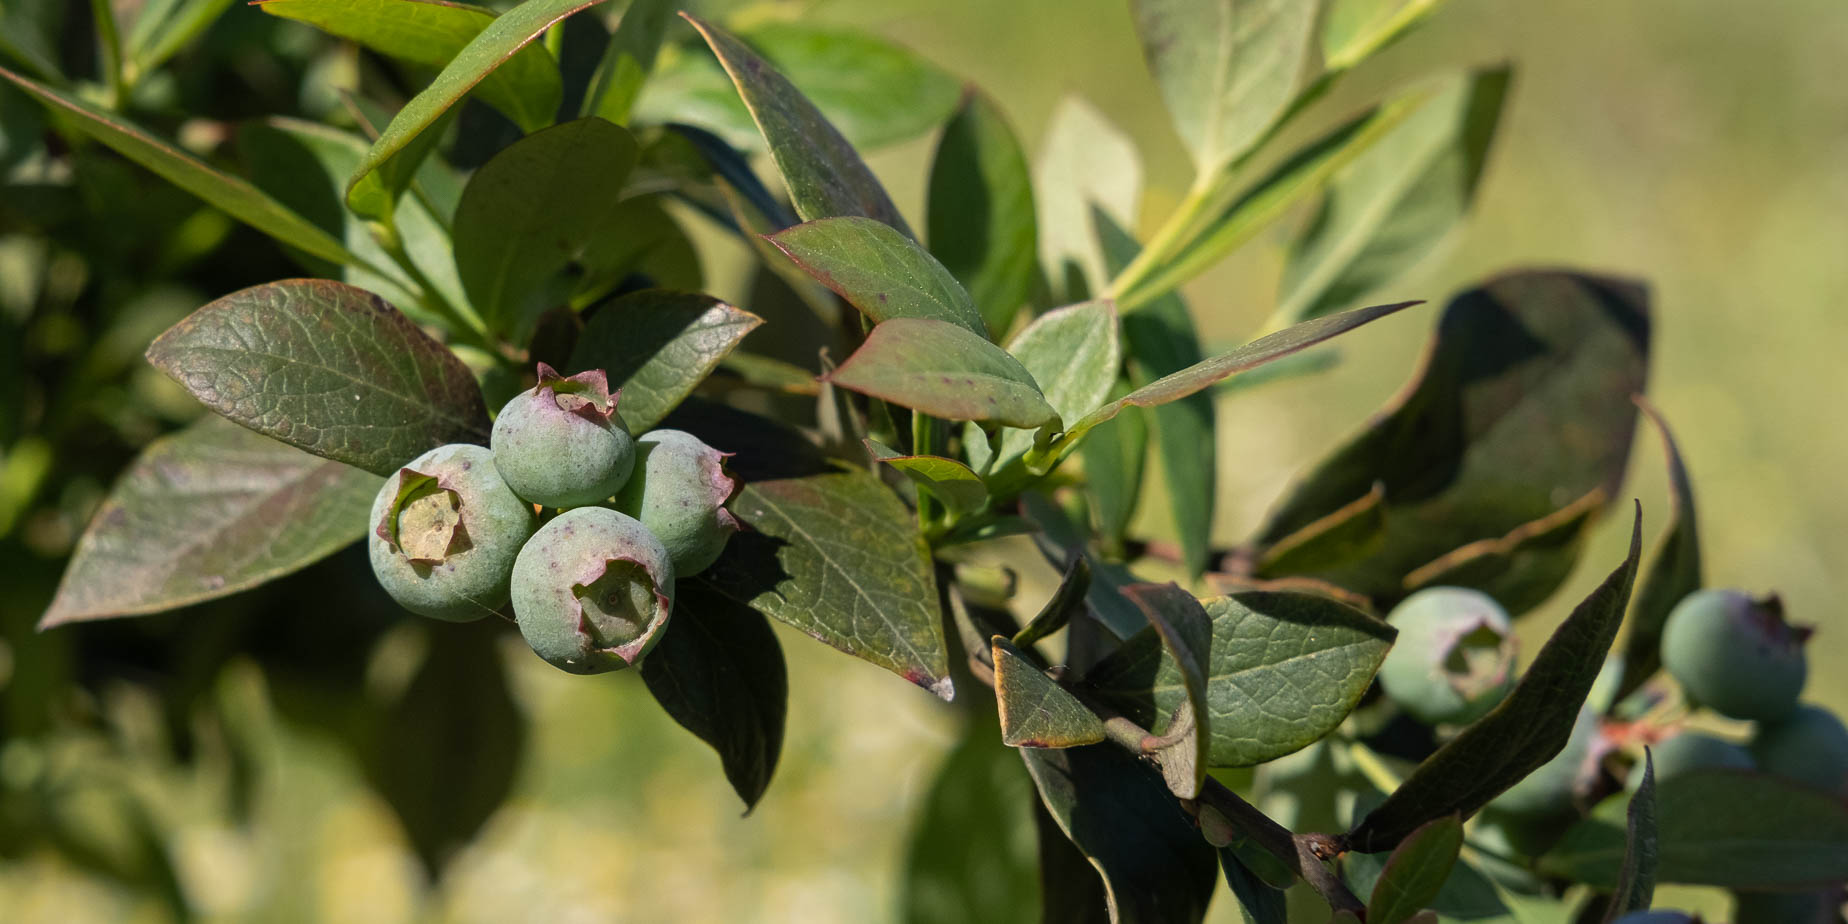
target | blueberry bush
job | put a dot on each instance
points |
(498, 371)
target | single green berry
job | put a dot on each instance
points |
(1810, 746)
(592, 590)
(1690, 751)
(679, 492)
(1735, 655)
(445, 532)
(1555, 786)
(561, 444)
(1454, 658)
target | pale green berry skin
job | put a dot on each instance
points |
(1735, 655)
(1453, 660)
(469, 583)
(679, 491)
(599, 554)
(1810, 746)
(1689, 751)
(559, 457)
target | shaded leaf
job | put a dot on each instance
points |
(204, 513)
(1521, 569)
(874, 91)
(1073, 890)
(980, 219)
(1284, 670)
(1084, 163)
(1186, 633)
(628, 60)
(494, 46)
(1717, 827)
(834, 554)
(1065, 601)
(1636, 876)
(325, 367)
(1674, 569)
(1155, 866)
(948, 480)
(825, 176)
(972, 853)
(1227, 68)
(657, 346)
(532, 209)
(525, 87)
(1035, 711)
(1392, 203)
(1256, 353)
(1522, 406)
(719, 672)
(1161, 340)
(1258, 901)
(1113, 456)
(1416, 872)
(1059, 539)
(232, 195)
(946, 371)
(1073, 353)
(1530, 726)
(457, 722)
(879, 271)
(1466, 897)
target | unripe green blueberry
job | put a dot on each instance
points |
(445, 532)
(1735, 655)
(561, 444)
(1690, 751)
(679, 492)
(592, 590)
(1454, 658)
(1553, 788)
(1810, 746)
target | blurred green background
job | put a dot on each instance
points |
(1697, 144)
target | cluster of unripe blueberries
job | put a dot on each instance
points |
(1729, 652)
(579, 525)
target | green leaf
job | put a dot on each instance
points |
(972, 854)
(1085, 163)
(879, 271)
(1059, 539)
(1353, 30)
(719, 672)
(1416, 871)
(455, 721)
(980, 217)
(1258, 901)
(1674, 569)
(637, 238)
(232, 195)
(328, 368)
(1035, 711)
(1113, 456)
(948, 480)
(1641, 853)
(1269, 199)
(1718, 827)
(1392, 204)
(158, 37)
(945, 371)
(1227, 68)
(1073, 353)
(26, 31)
(1285, 668)
(1156, 867)
(497, 44)
(657, 346)
(628, 60)
(525, 86)
(1522, 733)
(204, 513)
(528, 212)
(832, 553)
(1522, 406)
(1256, 353)
(1066, 601)
(1186, 633)
(1521, 569)
(1162, 341)
(825, 176)
(877, 93)
(1466, 897)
